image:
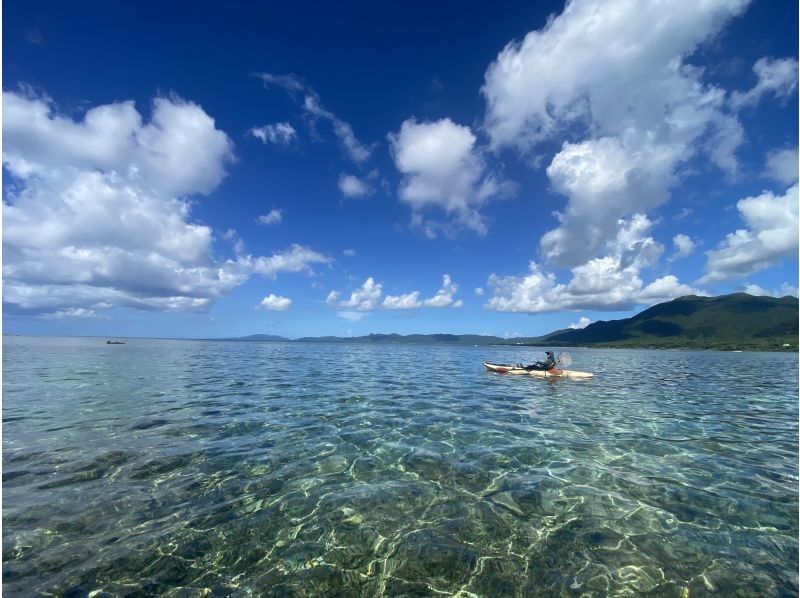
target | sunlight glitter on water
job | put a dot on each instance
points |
(177, 467)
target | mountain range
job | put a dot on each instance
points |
(727, 322)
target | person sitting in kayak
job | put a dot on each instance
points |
(548, 364)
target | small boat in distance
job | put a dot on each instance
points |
(115, 343)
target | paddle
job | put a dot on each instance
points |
(564, 359)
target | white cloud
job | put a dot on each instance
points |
(784, 290)
(94, 218)
(368, 298)
(232, 236)
(604, 181)
(611, 282)
(274, 302)
(272, 217)
(782, 166)
(332, 298)
(351, 316)
(580, 324)
(298, 258)
(408, 301)
(442, 169)
(357, 151)
(364, 298)
(644, 112)
(278, 133)
(71, 313)
(352, 186)
(593, 62)
(444, 296)
(778, 77)
(179, 152)
(349, 252)
(479, 291)
(312, 105)
(772, 235)
(290, 83)
(684, 246)
(664, 289)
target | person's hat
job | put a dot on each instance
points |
(548, 352)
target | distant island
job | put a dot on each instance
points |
(729, 322)
(257, 337)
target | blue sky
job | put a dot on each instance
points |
(193, 170)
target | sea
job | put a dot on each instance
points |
(211, 468)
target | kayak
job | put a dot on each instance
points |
(554, 373)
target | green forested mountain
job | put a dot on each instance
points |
(737, 321)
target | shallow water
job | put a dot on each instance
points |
(196, 468)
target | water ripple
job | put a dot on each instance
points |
(209, 468)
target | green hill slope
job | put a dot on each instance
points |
(737, 321)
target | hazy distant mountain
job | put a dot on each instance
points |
(737, 321)
(451, 339)
(258, 337)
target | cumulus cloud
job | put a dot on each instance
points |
(782, 291)
(179, 152)
(274, 302)
(444, 170)
(364, 298)
(278, 133)
(97, 217)
(782, 166)
(444, 296)
(591, 64)
(353, 187)
(271, 217)
(611, 282)
(314, 110)
(407, 301)
(684, 246)
(645, 113)
(580, 324)
(771, 236)
(298, 258)
(368, 298)
(778, 77)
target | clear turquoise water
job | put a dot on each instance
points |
(191, 468)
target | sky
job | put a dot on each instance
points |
(203, 170)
